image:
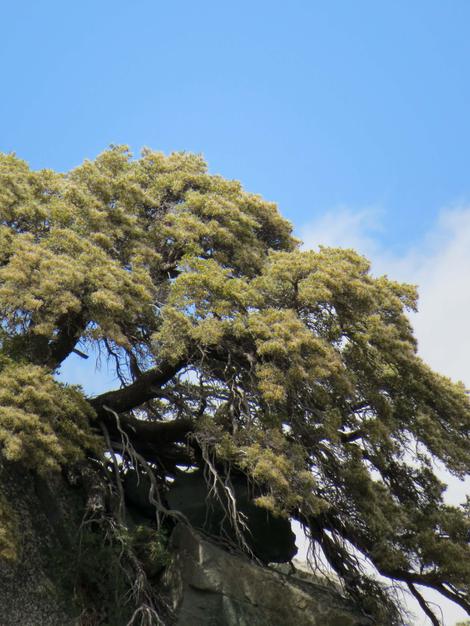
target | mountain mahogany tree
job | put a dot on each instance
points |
(238, 353)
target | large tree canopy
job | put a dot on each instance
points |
(235, 350)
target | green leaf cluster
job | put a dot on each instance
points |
(43, 424)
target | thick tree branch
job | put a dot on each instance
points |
(51, 352)
(157, 442)
(145, 388)
(149, 432)
(71, 328)
(166, 457)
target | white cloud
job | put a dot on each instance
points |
(344, 228)
(442, 324)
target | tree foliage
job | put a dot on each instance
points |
(235, 350)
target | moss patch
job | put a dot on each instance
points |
(9, 538)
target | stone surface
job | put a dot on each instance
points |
(32, 588)
(208, 586)
(270, 538)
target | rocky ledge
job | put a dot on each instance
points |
(208, 586)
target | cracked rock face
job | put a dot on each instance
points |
(207, 586)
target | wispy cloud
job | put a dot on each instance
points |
(345, 228)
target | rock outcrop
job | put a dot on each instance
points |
(207, 586)
(36, 578)
(54, 579)
(270, 538)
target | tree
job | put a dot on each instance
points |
(236, 351)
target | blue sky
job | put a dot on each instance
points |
(353, 116)
(312, 104)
